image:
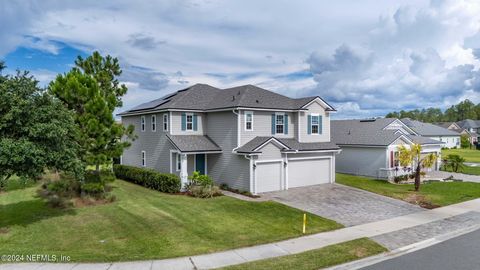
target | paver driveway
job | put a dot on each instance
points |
(346, 205)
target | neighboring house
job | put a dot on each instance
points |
(434, 132)
(472, 136)
(247, 137)
(473, 127)
(370, 146)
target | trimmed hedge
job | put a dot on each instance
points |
(163, 182)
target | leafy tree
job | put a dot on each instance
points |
(36, 131)
(464, 141)
(455, 162)
(412, 157)
(92, 90)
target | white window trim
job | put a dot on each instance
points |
(245, 114)
(144, 159)
(154, 122)
(283, 116)
(311, 123)
(186, 122)
(165, 122)
(177, 162)
(143, 122)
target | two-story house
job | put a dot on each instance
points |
(247, 137)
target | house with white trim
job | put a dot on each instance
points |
(246, 137)
(370, 146)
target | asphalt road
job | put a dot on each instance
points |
(460, 253)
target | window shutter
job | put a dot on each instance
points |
(273, 124)
(309, 126)
(320, 124)
(195, 122)
(184, 122)
(285, 122)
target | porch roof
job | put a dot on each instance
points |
(194, 143)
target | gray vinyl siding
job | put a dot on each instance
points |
(155, 144)
(270, 152)
(262, 126)
(226, 167)
(364, 161)
(314, 108)
(176, 124)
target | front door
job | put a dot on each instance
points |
(200, 163)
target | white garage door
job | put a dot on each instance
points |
(308, 172)
(268, 176)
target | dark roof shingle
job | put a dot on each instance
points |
(193, 143)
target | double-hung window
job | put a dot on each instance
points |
(154, 123)
(189, 121)
(142, 123)
(315, 124)
(165, 122)
(178, 163)
(279, 123)
(248, 120)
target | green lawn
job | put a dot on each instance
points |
(145, 224)
(319, 258)
(466, 170)
(470, 155)
(435, 194)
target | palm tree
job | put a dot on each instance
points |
(455, 162)
(412, 156)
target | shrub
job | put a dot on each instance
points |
(169, 183)
(201, 179)
(204, 191)
(96, 190)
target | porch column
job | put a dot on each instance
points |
(439, 161)
(183, 170)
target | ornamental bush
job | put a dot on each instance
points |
(163, 182)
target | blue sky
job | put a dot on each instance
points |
(364, 57)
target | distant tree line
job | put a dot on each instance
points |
(463, 110)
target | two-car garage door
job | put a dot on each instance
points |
(270, 175)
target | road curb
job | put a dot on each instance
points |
(403, 250)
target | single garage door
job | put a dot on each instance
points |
(268, 176)
(307, 172)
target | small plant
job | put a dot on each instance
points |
(201, 179)
(204, 191)
(96, 190)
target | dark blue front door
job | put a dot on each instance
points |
(200, 163)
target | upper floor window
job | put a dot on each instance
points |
(315, 124)
(279, 123)
(189, 121)
(142, 123)
(165, 122)
(154, 122)
(248, 120)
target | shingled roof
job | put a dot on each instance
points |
(289, 143)
(370, 132)
(427, 129)
(204, 97)
(193, 143)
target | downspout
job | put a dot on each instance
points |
(238, 130)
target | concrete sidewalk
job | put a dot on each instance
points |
(291, 246)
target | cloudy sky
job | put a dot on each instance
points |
(364, 57)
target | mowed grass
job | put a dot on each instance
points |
(437, 194)
(470, 155)
(145, 224)
(465, 170)
(319, 258)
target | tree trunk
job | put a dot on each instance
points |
(417, 177)
(97, 168)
